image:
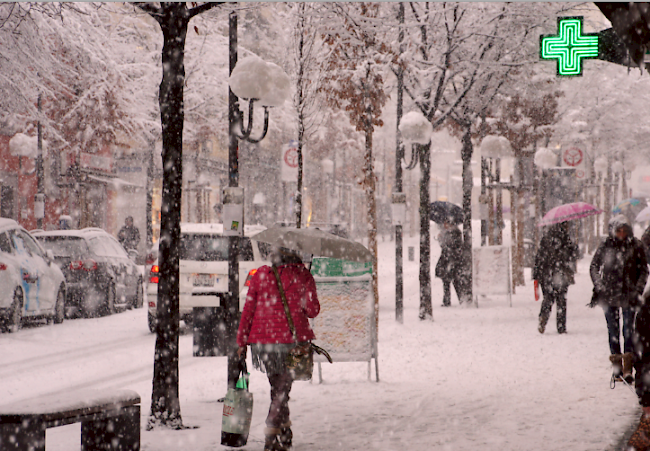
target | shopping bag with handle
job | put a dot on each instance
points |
(237, 411)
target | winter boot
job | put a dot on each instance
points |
(628, 360)
(272, 440)
(617, 367)
(640, 439)
(542, 326)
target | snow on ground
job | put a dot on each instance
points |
(470, 379)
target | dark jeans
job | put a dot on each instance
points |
(554, 295)
(612, 316)
(278, 416)
(458, 286)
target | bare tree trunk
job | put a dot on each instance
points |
(426, 308)
(466, 155)
(173, 19)
(370, 186)
(165, 405)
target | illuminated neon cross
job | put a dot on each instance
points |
(569, 47)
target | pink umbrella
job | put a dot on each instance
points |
(568, 212)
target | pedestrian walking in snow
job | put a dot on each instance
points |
(619, 271)
(264, 326)
(554, 271)
(450, 264)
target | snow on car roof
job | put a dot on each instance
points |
(75, 232)
(209, 228)
(6, 223)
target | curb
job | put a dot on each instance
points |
(622, 441)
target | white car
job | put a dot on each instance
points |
(32, 283)
(203, 268)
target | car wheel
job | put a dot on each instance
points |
(151, 319)
(138, 301)
(59, 308)
(109, 305)
(16, 313)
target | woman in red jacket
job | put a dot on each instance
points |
(265, 327)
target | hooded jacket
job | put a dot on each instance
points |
(619, 269)
(554, 262)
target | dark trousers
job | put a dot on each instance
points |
(554, 295)
(278, 416)
(613, 317)
(446, 286)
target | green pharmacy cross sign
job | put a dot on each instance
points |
(569, 46)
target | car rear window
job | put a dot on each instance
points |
(212, 248)
(64, 246)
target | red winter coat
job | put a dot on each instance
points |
(264, 320)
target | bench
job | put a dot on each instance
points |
(110, 420)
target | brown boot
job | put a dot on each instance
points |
(628, 361)
(640, 439)
(617, 367)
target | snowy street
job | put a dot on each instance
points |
(471, 379)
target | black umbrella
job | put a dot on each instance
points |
(442, 211)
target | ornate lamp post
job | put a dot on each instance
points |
(254, 80)
(417, 130)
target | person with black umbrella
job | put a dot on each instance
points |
(450, 264)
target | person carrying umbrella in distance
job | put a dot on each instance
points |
(619, 271)
(555, 260)
(451, 264)
(554, 272)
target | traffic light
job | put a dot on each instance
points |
(630, 22)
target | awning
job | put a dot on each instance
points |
(114, 181)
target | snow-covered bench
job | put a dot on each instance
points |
(110, 420)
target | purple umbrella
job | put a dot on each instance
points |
(568, 212)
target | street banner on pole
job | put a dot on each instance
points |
(289, 162)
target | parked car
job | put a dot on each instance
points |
(32, 284)
(100, 275)
(203, 268)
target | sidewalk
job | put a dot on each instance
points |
(471, 379)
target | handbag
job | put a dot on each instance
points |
(300, 359)
(237, 411)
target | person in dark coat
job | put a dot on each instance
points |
(129, 235)
(619, 271)
(451, 263)
(265, 327)
(554, 271)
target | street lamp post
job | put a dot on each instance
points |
(244, 82)
(416, 129)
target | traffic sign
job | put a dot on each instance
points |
(569, 47)
(289, 162)
(572, 156)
